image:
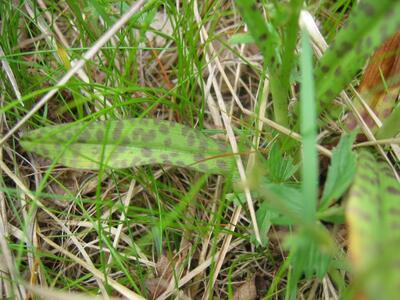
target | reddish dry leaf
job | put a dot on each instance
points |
(380, 83)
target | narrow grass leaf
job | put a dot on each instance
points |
(372, 213)
(241, 38)
(369, 25)
(129, 143)
(308, 121)
(341, 171)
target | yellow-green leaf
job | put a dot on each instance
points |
(373, 218)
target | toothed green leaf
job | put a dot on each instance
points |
(129, 143)
(341, 171)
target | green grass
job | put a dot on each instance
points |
(95, 224)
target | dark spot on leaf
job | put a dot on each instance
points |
(222, 146)
(393, 190)
(167, 142)
(180, 163)
(222, 164)
(395, 211)
(147, 152)
(174, 154)
(69, 136)
(126, 141)
(137, 132)
(124, 163)
(369, 179)
(203, 167)
(164, 156)
(368, 42)
(367, 9)
(390, 13)
(164, 129)
(263, 37)
(203, 146)
(359, 47)
(118, 130)
(343, 48)
(325, 69)
(185, 130)
(99, 134)
(148, 136)
(395, 225)
(330, 94)
(360, 213)
(254, 7)
(190, 139)
(338, 71)
(387, 111)
(198, 157)
(384, 32)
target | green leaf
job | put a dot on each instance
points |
(370, 23)
(311, 249)
(391, 125)
(308, 125)
(129, 143)
(265, 36)
(373, 218)
(285, 201)
(241, 38)
(279, 168)
(341, 171)
(263, 216)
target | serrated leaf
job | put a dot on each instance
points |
(129, 143)
(370, 23)
(373, 218)
(284, 201)
(341, 171)
(279, 168)
(263, 216)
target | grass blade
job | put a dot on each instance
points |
(308, 130)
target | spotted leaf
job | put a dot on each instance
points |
(369, 25)
(373, 218)
(129, 143)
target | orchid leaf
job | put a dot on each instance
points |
(372, 213)
(368, 26)
(129, 143)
